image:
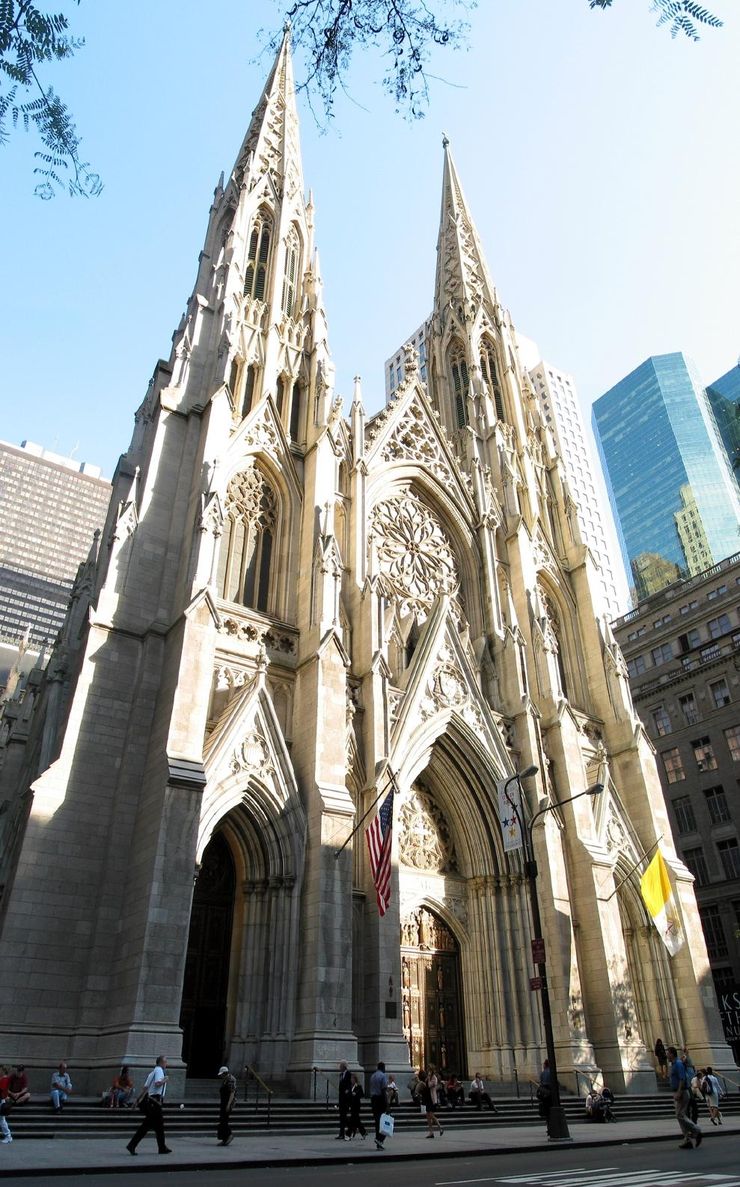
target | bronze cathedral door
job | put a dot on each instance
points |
(432, 1000)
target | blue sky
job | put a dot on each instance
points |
(598, 156)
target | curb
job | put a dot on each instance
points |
(146, 1165)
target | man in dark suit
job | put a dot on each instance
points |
(345, 1099)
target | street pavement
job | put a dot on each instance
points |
(77, 1156)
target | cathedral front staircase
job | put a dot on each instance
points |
(199, 1115)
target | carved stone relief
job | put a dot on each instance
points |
(425, 842)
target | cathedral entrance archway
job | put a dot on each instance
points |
(206, 981)
(431, 992)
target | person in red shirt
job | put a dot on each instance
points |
(18, 1090)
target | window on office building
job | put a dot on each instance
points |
(716, 799)
(688, 641)
(673, 765)
(661, 721)
(704, 754)
(636, 666)
(718, 626)
(684, 812)
(714, 932)
(729, 851)
(689, 708)
(662, 654)
(697, 864)
(732, 736)
(720, 692)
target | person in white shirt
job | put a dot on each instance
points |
(61, 1088)
(478, 1095)
(150, 1102)
(712, 1090)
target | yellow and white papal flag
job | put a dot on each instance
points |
(658, 898)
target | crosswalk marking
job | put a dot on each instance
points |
(602, 1176)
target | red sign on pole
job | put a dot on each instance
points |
(538, 951)
(535, 982)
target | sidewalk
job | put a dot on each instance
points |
(72, 1156)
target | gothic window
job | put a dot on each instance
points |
(460, 384)
(234, 375)
(259, 254)
(295, 411)
(489, 370)
(290, 279)
(246, 550)
(248, 396)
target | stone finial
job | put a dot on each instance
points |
(445, 140)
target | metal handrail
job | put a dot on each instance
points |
(251, 1073)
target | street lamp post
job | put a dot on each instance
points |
(557, 1126)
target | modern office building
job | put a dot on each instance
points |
(724, 397)
(562, 412)
(674, 498)
(394, 366)
(298, 613)
(682, 648)
(50, 506)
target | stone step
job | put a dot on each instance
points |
(86, 1118)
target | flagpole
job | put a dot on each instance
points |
(391, 783)
(631, 872)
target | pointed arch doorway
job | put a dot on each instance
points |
(206, 981)
(431, 994)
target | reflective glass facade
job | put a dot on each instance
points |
(672, 491)
(724, 397)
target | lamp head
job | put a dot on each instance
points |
(526, 774)
(596, 789)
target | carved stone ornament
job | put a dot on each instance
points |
(250, 497)
(425, 842)
(414, 555)
(422, 929)
(413, 440)
(252, 755)
(263, 437)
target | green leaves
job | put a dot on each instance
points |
(28, 39)
(681, 15)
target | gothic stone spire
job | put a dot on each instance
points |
(462, 279)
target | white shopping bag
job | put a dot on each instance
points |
(386, 1125)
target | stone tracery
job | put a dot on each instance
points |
(413, 552)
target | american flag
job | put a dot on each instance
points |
(379, 835)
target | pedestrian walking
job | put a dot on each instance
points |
(355, 1105)
(430, 1105)
(681, 1096)
(712, 1090)
(343, 1101)
(661, 1059)
(544, 1094)
(378, 1085)
(226, 1098)
(150, 1102)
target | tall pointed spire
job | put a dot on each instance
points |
(272, 139)
(462, 277)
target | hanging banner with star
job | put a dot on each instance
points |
(510, 830)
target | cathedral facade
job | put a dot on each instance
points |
(289, 612)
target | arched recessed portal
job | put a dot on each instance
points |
(432, 997)
(205, 986)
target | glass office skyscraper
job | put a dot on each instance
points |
(674, 498)
(724, 396)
